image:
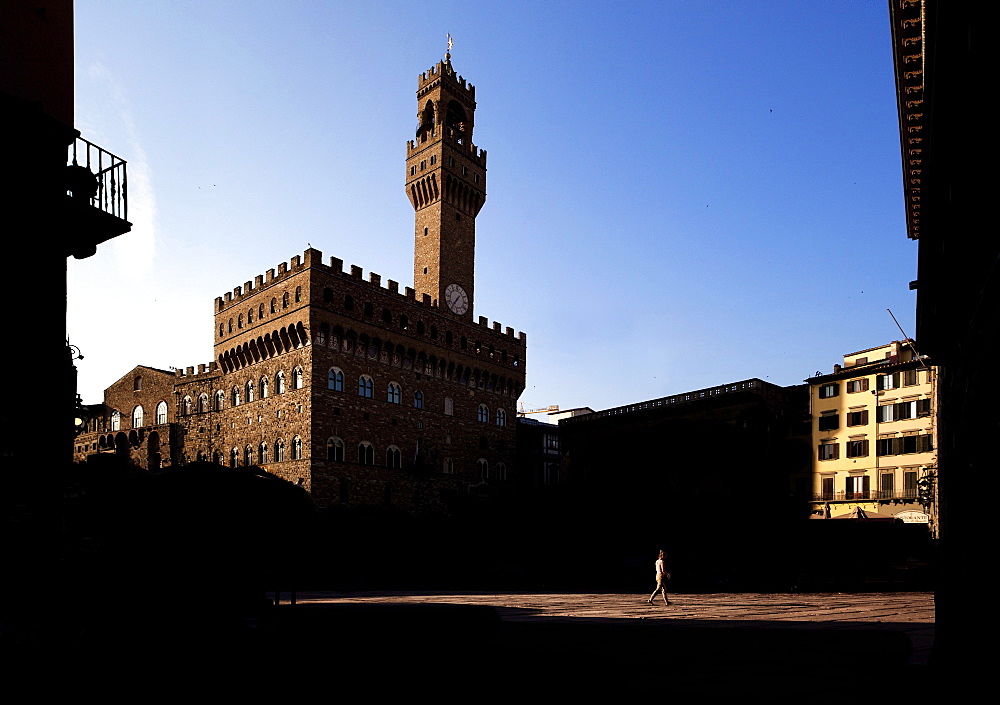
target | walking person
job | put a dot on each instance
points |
(662, 576)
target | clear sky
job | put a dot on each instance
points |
(680, 194)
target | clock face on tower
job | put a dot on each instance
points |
(456, 298)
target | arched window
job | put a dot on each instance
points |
(248, 456)
(366, 453)
(279, 382)
(279, 451)
(263, 453)
(137, 417)
(230, 326)
(250, 391)
(335, 449)
(161, 412)
(116, 420)
(448, 467)
(188, 404)
(321, 334)
(236, 396)
(418, 400)
(394, 394)
(284, 300)
(482, 469)
(222, 329)
(366, 387)
(239, 321)
(274, 305)
(250, 316)
(203, 402)
(483, 414)
(137, 384)
(393, 458)
(297, 448)
(263, 387)
(297, 377)
(298, 294)
(220, 400)
(501, 471)
(449, 406)
(260, 312)
(335, 380)
(234, 457)
(501, 417)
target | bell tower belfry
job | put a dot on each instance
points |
(446, 184)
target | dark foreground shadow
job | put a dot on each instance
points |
(457, 652)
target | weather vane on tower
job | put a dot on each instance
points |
(451, 43)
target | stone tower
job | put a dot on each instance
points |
(446, 184)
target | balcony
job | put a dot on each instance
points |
(97, 198)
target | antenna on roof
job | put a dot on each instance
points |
(907, 340)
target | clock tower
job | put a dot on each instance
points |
(446, 184)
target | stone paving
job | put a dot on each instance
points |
(710, 648)
(911, 613)
(898, 608)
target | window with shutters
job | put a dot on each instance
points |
(858, 487)
(857, 418)
(857, 385)
(857, 449)
(829, 421)
(888, 381)
(829, 390)
(828, 451)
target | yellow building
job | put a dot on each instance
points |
(873, 430)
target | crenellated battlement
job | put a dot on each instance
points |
(430, 137)
(443, 69)
(313, 259)
(206, 371)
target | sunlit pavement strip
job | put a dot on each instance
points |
(867, 608)
(909, 613)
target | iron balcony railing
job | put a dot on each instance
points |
(870, 495)
(98, 176)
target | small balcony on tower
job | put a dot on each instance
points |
(96, 198)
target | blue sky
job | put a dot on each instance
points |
(680, 194)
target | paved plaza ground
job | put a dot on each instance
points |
(713, 646)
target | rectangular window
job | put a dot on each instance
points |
(857, 385)
(551, 443)
(884, 413)
(829, 422)
(828, 451)
(857, 449)
(889, 381)
(923, 407)
(886, 485)
(910, 484)
(829, 390)
(909, 378)
(905, 410)
(857, 418)
(887, 446)
(858, 487)
(827, 488)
